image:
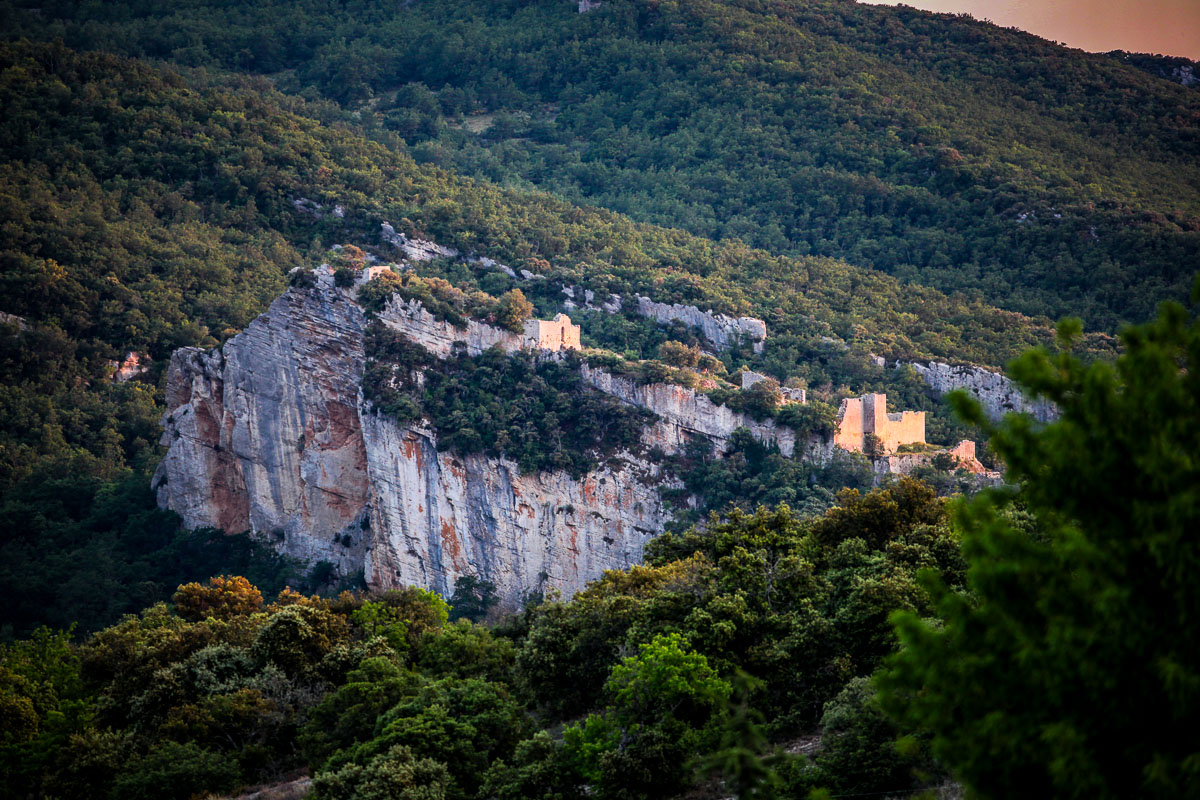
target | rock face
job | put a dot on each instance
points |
(996, 393)
(963, 454)
(684, 414)
(721, 330)
(271, 434)
(415, 249)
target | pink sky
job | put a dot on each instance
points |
(1171, 27)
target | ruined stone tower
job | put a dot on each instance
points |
(860, 416)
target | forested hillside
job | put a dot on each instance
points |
(936, 148)
(753, 658)
(145, 210)
(870, 182)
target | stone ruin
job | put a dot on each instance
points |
(556, 334)
(860, 416)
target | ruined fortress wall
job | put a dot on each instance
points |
(905, 428)
(850, 432)
(859, 416)
(556, 334)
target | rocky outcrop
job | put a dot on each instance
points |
(415, 249)
(13, 319)
(963, 455)
(720, 330)
(997, 394)
(683, 414)
(577, 297)
(130, 367)
(271, 434)
(440, 337)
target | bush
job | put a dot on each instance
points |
(394, 775)
(174, 771)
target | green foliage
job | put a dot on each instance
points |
(538, 770)
(147, 210)
(78, 549)
(514, 309)
(739, 758)
(384, 621)
(1080, 621)
(472, 598)
(189, 228)
(879, 135)
(346, 716)
(534, 411)
(466, 651)
(394, 775)
(44, 701)
(465, 724)
(751, 474)
(659, 702)
(174, 771)
(665, 679)
(809, 419)
(383, 694)
(859, 748)
(440, 297)
(761, 593)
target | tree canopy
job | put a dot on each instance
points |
(1071, 661)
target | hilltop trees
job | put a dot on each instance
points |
(1073, 664)
(514, 309)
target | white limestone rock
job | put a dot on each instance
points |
(271, 434)
(997, 394)
(722, 331)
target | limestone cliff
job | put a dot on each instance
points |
(720, 330)
(684, 414)
(997, 394)
(270, 433)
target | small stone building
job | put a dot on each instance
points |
(556, 334)
(859, 416)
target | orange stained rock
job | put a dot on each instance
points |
(451, 546)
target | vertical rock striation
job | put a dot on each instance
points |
(270, 434)
(684, 414)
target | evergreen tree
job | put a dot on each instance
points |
(1072, 664)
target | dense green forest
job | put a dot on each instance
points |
(869, 181)
(146, 213)
(754, 657)
(1178, 69)
(936, 148)
(145, 210)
